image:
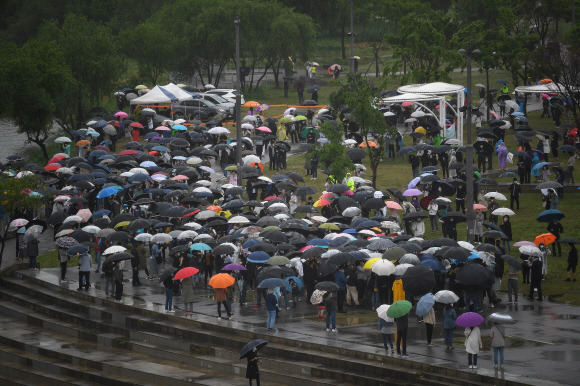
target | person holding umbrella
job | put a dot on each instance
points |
(536, 277)
(271, 307)
(85, 261)
(449, 317)
(252, 370)
(118, 275)
(386, 327)
(330, 304)
(497, 335)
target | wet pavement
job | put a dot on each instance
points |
(543, 345)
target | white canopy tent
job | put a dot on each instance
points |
(418, 98)
(159, 94)
(548, 88)
(441, 89)
(180, 93)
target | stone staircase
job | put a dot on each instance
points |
(52, 335)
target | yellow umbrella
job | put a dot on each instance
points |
(140, 87)
(329, 226)
(370, 262)
(122, 224)
(421, 130)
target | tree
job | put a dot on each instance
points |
(34, 82)
(14, 196)
(357, 95)
(153, 47)
(91, 53)
(332, 154)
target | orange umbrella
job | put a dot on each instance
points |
(254, 164)
(215, 208)
(545, 81)
(221, 280)
(545, 238)
(479, 207)
(371, 144)
(322, 202)
(252, 104)
(83, 142)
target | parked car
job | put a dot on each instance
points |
(227, 93)
(220, 102)
(205, 109)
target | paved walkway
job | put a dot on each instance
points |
(543, 345)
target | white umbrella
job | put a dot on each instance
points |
(282, 216)
(251, 159)
(73, 219)
(500, 318)
(63, 140)
(202, 189)
(247, 126)
(446, 297)
(91, 229)
(367, 232)
(513, 105)
(179, 121)
(207, 169)
(383, 267)
(349, 142)
(139, 171)
(389, 114)
(218, 130)
(401, 269)
(114, 249)
(143, 237)
(61, 198)
(418, 114)
(530, 250)
(319, 218)
(409, 258)
(496, 195)
(238, 220)
(193, 225)
(466, 245)
(65, 171)
(187, 235)
(203, 236)
(351, 212)
(503, 212)
(205, 214)
(162, 238)
(126, 174)
(194, 161)
(382, 312)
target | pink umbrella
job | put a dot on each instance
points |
(393, 205)
(493, 114)
(523, 243)
(104, 148)
(348, 193)
(405, 104)
(264, 129)
(180, 177)
(306, 248)
(545, 96)
(479, 207)
(315, 64)
(85, 214)
(19, 222)
(162, 128)
(121, 114)
(412, 192)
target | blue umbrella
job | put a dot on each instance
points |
(101, 213)
(108, 192)
(179, 127)
(414, 182)
(150, 135)
(272, 283)
(538, 166)
(250, 243)
(550, 215)
(296, 279)
(359, 255)
(139, 178)
(518, 114)
(160, 148)
(425, 304)
(490, 225)
(200, 247)
(319, 243)
(258, 257)
(21, 230)
(406, 150)
(426, 256)
(435, 265)
(350, 231)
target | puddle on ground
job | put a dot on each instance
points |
(567, 317)
(348, 319)
(562, 356)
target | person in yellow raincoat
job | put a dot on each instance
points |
(282, 133)
(398, 291)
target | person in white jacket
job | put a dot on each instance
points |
(418, 228)
(472, 345)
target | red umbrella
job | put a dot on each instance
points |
(185, 273)
(425, 201)
(104, 148)
(129, 152)
(405, 104)
(52, 167)
(271, 198)
(136, 124)
(56, 159)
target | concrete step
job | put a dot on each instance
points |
(335, 362)
(14, 373)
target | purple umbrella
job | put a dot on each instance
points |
(414, 182)
(412, 192)
(233, 267)
(469, 319)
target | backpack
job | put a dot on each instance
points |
(108, 268)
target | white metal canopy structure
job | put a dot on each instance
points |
(547, 88)
(441, 89)
(418, 98)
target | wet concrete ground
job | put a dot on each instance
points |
(543, 345)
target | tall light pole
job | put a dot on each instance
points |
(352, 36)
(238, 99)
(469, 51)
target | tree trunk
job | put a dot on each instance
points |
(342, 42)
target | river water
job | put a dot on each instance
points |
(12, 142)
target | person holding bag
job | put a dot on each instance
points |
(472, 345)
(497, 336)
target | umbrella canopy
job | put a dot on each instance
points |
(473, 275)
(221, 280)
(255, 344)
(545, 238)
(399, 308)
(446, 297)
(550, 215)
(418, 280)
(513, 262)
(425, 304)
(469, 319)
(185, 273)
(327, 286)
(500, 318)
(382, 313)
(272, 283)
(66, 242)
(383, 267)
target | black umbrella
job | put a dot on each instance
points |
(313, 252)
(224, 249)
(338, 188)
(356, 153)
(374, 203)
(179, 249)
(473, 275)
(57, 217)
(305, 190)
(295, 176)
(326, 269)
(569, 240)
(264, 247)
(418, 280)
(485, 247)
(275, 236)
(443, 188)
(118, 236)
(415, 215)
(328, 286)
(174, 212)
(79, 249)
(81, 236)
(255, 344)
(340, 258)
(312, 89)
(513, 262)
(454, 253)
(120, 257)
(137, 224)
(456, 216)
(487, 182)
(167, 273)
(493, 234)
(441, 242)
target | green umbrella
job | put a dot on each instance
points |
(232, 167)
(271, 228)
(394, 253)
(399, 308)
(306, 130)
(329, 226)
(278, 260)
(285, 120)
(300, 118)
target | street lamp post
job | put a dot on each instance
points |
(469, 51)
(352, 69)
(238, 99)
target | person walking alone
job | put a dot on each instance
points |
(271, 306)
(472, 345)
(497, 336)
(449, 316)
(402, 327)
